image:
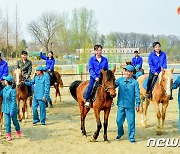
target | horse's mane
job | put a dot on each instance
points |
(167, 72)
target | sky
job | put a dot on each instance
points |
(140, 16)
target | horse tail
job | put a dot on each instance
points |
(73, 88)
(59, 79)
(61, 82)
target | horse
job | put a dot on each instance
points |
(21, 94)
(56, 86)
(104, 97)
(160, 94)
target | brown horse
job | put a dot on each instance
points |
(160, 94)
(21, 94)
(104, 97)
(56, 86)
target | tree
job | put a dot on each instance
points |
(83, 28)
(44, 29)
(64, 33)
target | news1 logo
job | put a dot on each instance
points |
(163, 142)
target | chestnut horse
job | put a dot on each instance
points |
(160, 94)
(104, 97)
(56, 86)
(21, 94)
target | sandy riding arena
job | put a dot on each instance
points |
(62, 133)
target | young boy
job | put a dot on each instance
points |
(127, 94)
(176, 85)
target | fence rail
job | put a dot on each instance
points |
(66, 77)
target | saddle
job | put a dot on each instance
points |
(93, 92)
(52, 78)
(154, 81)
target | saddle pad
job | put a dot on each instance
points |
(146, 81)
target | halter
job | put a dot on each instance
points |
(106, 88)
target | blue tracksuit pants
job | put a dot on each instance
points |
(129, 114)
(90, 87)
(8, 122)
(42, 106)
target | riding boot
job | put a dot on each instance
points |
(171, 98)
(46, 104)
(51, 105)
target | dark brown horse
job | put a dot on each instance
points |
(104, 97)
(21, 94)
(56, 86)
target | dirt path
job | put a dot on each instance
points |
(62, 133)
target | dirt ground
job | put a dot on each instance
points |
(62, 133)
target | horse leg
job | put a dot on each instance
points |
(99, 125)
(19, 114)
(164, 107)
(84, 112)
(158, 130)
(55, 94)
(58, 92)
(24, 110)
(30, 106)
(145, 108)
(106, 115)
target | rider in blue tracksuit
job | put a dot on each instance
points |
(157, 60)
(128, 94)
(137, 60)
(50, 61)
(3, 70)
(41, 93)
(96, 63)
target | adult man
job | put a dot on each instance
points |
(26, 66)
(137, 60)
(41, 94)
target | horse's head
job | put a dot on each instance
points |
(17, 73)
(108, 81)
(166, 80)
(129, 63)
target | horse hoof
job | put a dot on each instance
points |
(91, 139)
(24, 121)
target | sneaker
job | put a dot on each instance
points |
(87, 104)
(18, 134)
(35, 123)
(118, 137)
(132, 140)
(112, 105)
(9, 137)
